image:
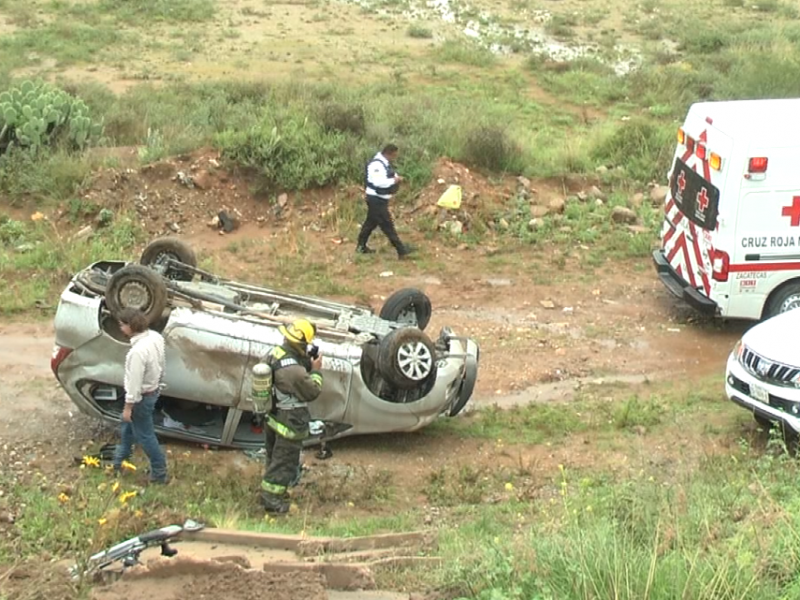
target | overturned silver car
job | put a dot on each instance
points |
(383, 373)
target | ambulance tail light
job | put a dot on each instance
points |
(701, 151)
(758, 165)
(720, 265)
(715, 161)
(681, 136)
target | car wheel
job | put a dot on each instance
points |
(159, 251)
(467, 385)
(407, 358)
(139, 287)
(783, 299)
(409, 306)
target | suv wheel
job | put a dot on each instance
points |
(408, 306)
(407, 358)
(159, 251)
(139, 287)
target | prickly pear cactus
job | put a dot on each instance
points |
(37, 114)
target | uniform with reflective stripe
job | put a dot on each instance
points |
(287, 424)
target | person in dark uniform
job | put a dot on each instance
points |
(381, 184)
(296, 381)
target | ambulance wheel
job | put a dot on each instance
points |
(784, 299)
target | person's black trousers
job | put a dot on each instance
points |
(378, 215)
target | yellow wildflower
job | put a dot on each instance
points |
(102, 522)
(123, 498)
(91, 461)
(63, 498)
(129, 466)
(509, 486)
(138, 514)
(115, 487)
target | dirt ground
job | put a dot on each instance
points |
(189, 579)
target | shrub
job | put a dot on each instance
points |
(466, 53)
(419, 32)
(643, 148)
(343, 118)
(292, 155)
(490, 147)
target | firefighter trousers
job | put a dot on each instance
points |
(286, 430)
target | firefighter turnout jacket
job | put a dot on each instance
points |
(294, 385)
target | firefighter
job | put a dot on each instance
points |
(296, 381)
(381, 184)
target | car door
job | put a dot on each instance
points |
(206, 357)
(337, 372)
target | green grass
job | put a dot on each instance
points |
(721, 524)
(36, 259)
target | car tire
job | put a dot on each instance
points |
(407, 358)
(467, 385)
(784, 299)
(170, 248)
(409, 306)
(135, 286)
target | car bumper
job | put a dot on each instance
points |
(680, 288)
(783, 403)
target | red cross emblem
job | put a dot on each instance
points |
(793, 212)
(702, 199)
(681, 181)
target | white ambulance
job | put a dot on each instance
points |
(730, 243)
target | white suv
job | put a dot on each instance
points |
(763, 373)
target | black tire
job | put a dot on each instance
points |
(168, 247)
(407, 358)
(409, 306)
(785, 298)
(138, 287)
(467, 385)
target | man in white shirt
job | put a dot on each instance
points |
(381, 183)
(144, 373)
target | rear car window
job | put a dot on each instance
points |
(696, 198)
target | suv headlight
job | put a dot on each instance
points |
(738, 351)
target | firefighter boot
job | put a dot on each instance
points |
(274, 504)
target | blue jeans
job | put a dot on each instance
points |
(142, 430)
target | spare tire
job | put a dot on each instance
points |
(162, 249)
(139, 287)
(407, 358)
(409, 306)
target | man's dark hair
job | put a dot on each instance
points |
(389, 149)
(133, 318)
